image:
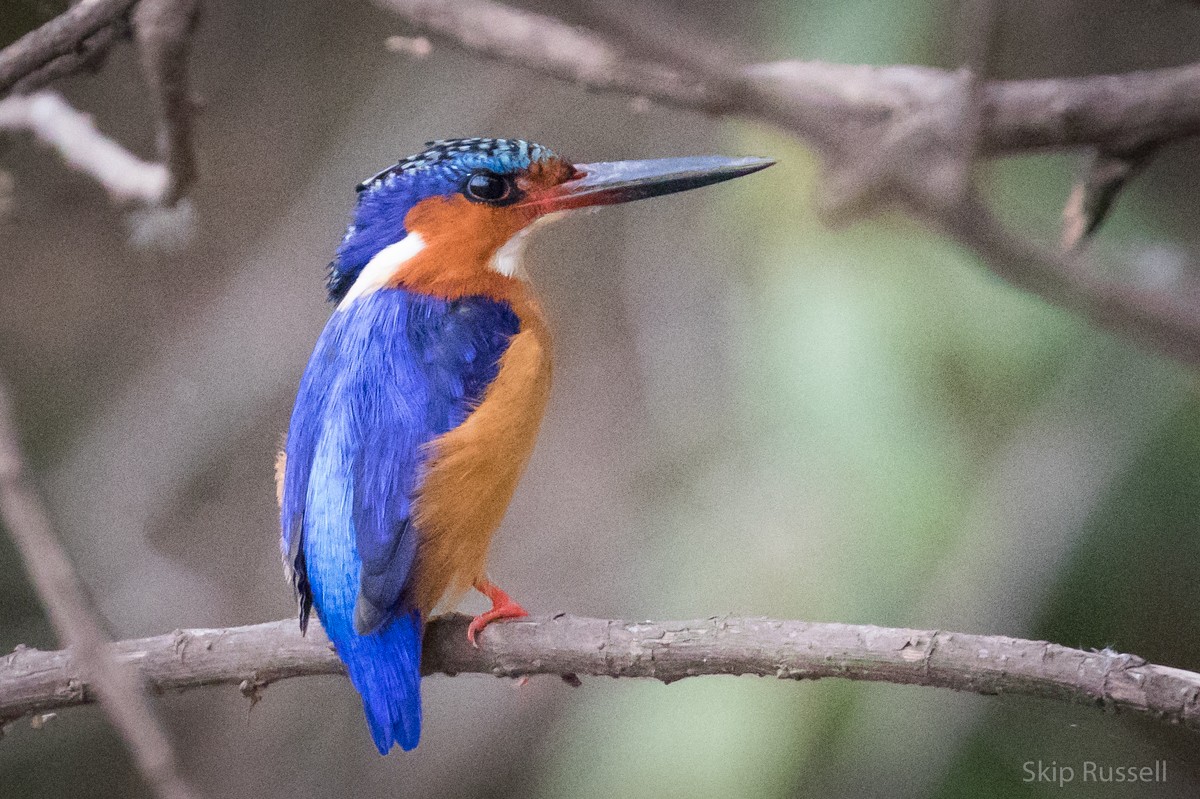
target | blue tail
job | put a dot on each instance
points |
(385, 667)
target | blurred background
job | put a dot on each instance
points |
(752, 415)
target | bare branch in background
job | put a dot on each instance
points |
(415, 46)
(828, 102)
(555, 48)
(1095, 193)
(982, 45)
(115, 684)
(887, 134)
(163, 29)
(54, 122)
(648, 31)
(1153, 319)
(79, 39)
(61, 36)
(88, 56)
(257, 655)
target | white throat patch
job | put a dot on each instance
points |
(507, 259)
(382, 267)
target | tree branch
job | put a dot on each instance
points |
(1153, 319)
(79, 39)
(819, 100)
(890, 135)
(163, 29)
(563, 51)
(59, 37)
(1096, 191)
(87, 56)
(255, 656)
(54, 122)
(60, 591)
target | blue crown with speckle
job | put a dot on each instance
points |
(465, 155)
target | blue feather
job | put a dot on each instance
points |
(390, 373)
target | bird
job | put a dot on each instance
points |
(420, 405)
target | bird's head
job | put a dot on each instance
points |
(448, 221)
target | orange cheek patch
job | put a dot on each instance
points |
(460, 237)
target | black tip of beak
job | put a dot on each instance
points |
(624, 181)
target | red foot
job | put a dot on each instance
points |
(502, 608)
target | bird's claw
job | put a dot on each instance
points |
(503, 607)
(509, 610)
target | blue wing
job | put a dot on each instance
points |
(305, 428)
(389, 374)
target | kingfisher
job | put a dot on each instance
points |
(422, 399)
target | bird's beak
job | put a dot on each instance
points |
(622, 181)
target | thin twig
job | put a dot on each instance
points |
(59, 37)
(555, 48)
(79, 39)
(653, 33)
(258, 655)
(117, 686)
(981, 45)
(1153, 319)
(163, 29)
(1095, 193)
(54, 122)
(88, 56)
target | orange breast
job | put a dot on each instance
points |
(473, 469)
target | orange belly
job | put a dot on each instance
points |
(473, 470)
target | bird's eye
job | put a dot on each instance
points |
(488, 187)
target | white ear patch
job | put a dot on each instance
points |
(507, 259)
(382, 267)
